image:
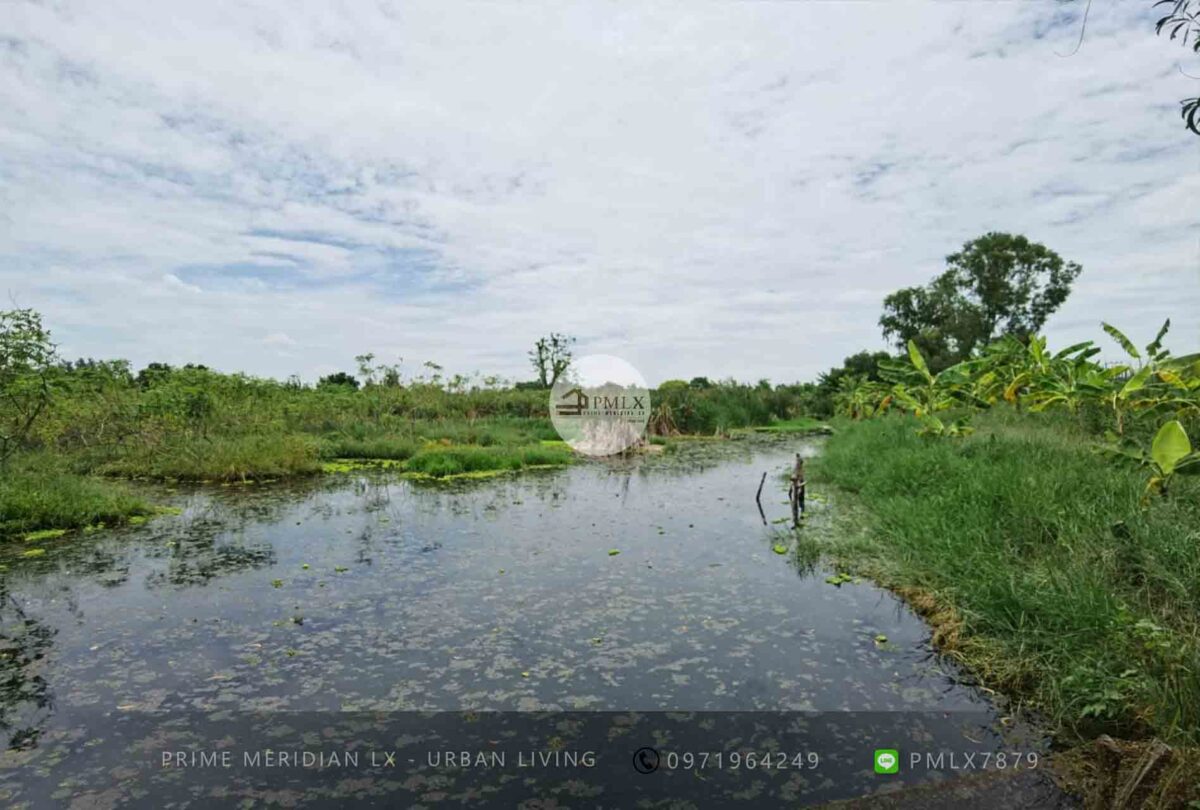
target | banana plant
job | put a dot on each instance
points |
(858, 397)
(1142, 389)
(925, 394)
(1170, 454)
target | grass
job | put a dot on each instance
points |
(801, 424)
(1037, 566)
(224, 458)
(35, 502)
(378, 447)
(442, 462)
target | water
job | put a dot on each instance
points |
(366, 593)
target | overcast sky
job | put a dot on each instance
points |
(709, 188)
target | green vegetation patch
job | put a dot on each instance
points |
(444, 462)
(1063, 589)
(44, 534)
(37, 503)
(800, 425)
(225, 458)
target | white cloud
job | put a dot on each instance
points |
(714, 189)
(280, 339)
(174, 282)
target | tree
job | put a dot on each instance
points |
(153, 374)
(26, 358)
(1183, 21)
(998, 284)
(341, 379)
(863, 366)
(550, 357)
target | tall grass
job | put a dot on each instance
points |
(439, 462)
(1066, 591)
(223, 458)
(53, 498)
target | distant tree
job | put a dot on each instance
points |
(997, 284)
(864, 365)
(550, 357)
(26, 359)
(700, 382)
(153, 374)
(340, 379)
(365, 370)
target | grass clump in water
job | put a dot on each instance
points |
(378, 447)
(1050, 579)
(799, 425)
(36, 502)
(226, 458)
(442, 462)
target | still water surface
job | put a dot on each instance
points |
(365, 592)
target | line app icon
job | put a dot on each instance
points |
(887, 760)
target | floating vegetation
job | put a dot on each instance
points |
(44, 534)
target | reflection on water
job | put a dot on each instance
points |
(366, 592)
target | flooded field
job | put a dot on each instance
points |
(634, 586)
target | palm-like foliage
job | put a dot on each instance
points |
(1153, 386)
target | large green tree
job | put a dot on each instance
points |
(998, 284)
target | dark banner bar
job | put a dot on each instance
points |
(578, 759)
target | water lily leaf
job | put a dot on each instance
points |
(612, 552)
(779, 548)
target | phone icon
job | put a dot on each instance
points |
(645, 760)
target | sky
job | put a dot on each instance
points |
(717, 189)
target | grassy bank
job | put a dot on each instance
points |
(33, 499)
(101, 421)
(1043, 570)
